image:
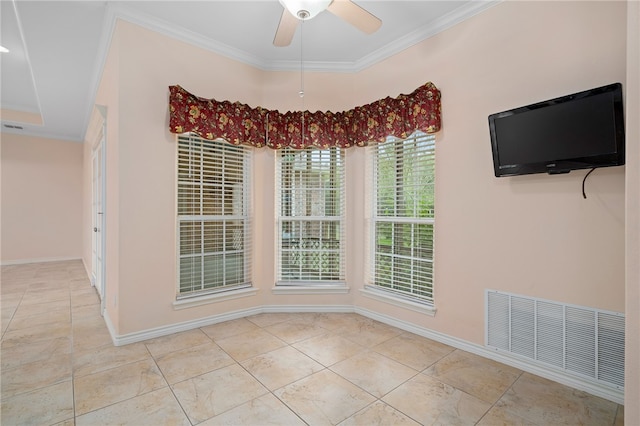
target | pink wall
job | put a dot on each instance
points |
(140, 235)
(632, 326)
(41, 199)
(531, 235)
(87, 200)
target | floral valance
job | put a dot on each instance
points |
(241, 124)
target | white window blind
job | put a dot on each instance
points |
(401, 205)
(310, 212)
(213, 216)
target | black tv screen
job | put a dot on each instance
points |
(579, 131)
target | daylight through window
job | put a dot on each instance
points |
(213, 219)
(310, 213)
(402, 217)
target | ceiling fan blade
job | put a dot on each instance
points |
(286, 29)
(355, 15)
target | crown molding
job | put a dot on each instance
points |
(121, 11)
(441, 24)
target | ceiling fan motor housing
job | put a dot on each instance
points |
(305, 9)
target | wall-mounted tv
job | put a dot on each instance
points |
(579, 131)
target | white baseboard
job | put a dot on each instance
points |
(38, 260)
(341, 309)
(139, 336)
(588, 386)
(87, 269)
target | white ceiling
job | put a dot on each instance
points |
(57, 48)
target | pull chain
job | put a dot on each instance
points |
(301, 93)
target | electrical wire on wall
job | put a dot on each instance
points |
(584, 195)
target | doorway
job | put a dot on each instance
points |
(98, 206)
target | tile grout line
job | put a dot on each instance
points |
(12, 316)
(328, 331)
(73, 359)
(169, 386)
(500, 397)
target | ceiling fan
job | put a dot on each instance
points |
(302, 10)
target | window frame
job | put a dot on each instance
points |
(396, 293)
(227, 199)
(288, 284)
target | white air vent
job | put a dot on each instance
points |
(13, 126)
(579, 340)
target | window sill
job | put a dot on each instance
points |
(385, 297)
(311, 288)
(214, 298)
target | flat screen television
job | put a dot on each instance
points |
(579, 131)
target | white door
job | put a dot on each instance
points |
(98, 217)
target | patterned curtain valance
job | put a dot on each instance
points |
(241, 124)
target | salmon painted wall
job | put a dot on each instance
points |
(144, 154)
(87, 200)
(41, 199)
(632, 325)
(531, 235)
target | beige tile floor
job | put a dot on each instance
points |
(60, 367)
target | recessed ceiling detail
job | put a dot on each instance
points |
(52, 88)
(16, 79)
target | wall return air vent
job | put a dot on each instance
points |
(13, 126)
(578, 340)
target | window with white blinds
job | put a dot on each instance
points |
(310, 214)
(213, 216)
(402, 217)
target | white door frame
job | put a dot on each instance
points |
(98, 205)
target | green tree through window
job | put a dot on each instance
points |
(402, 217)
